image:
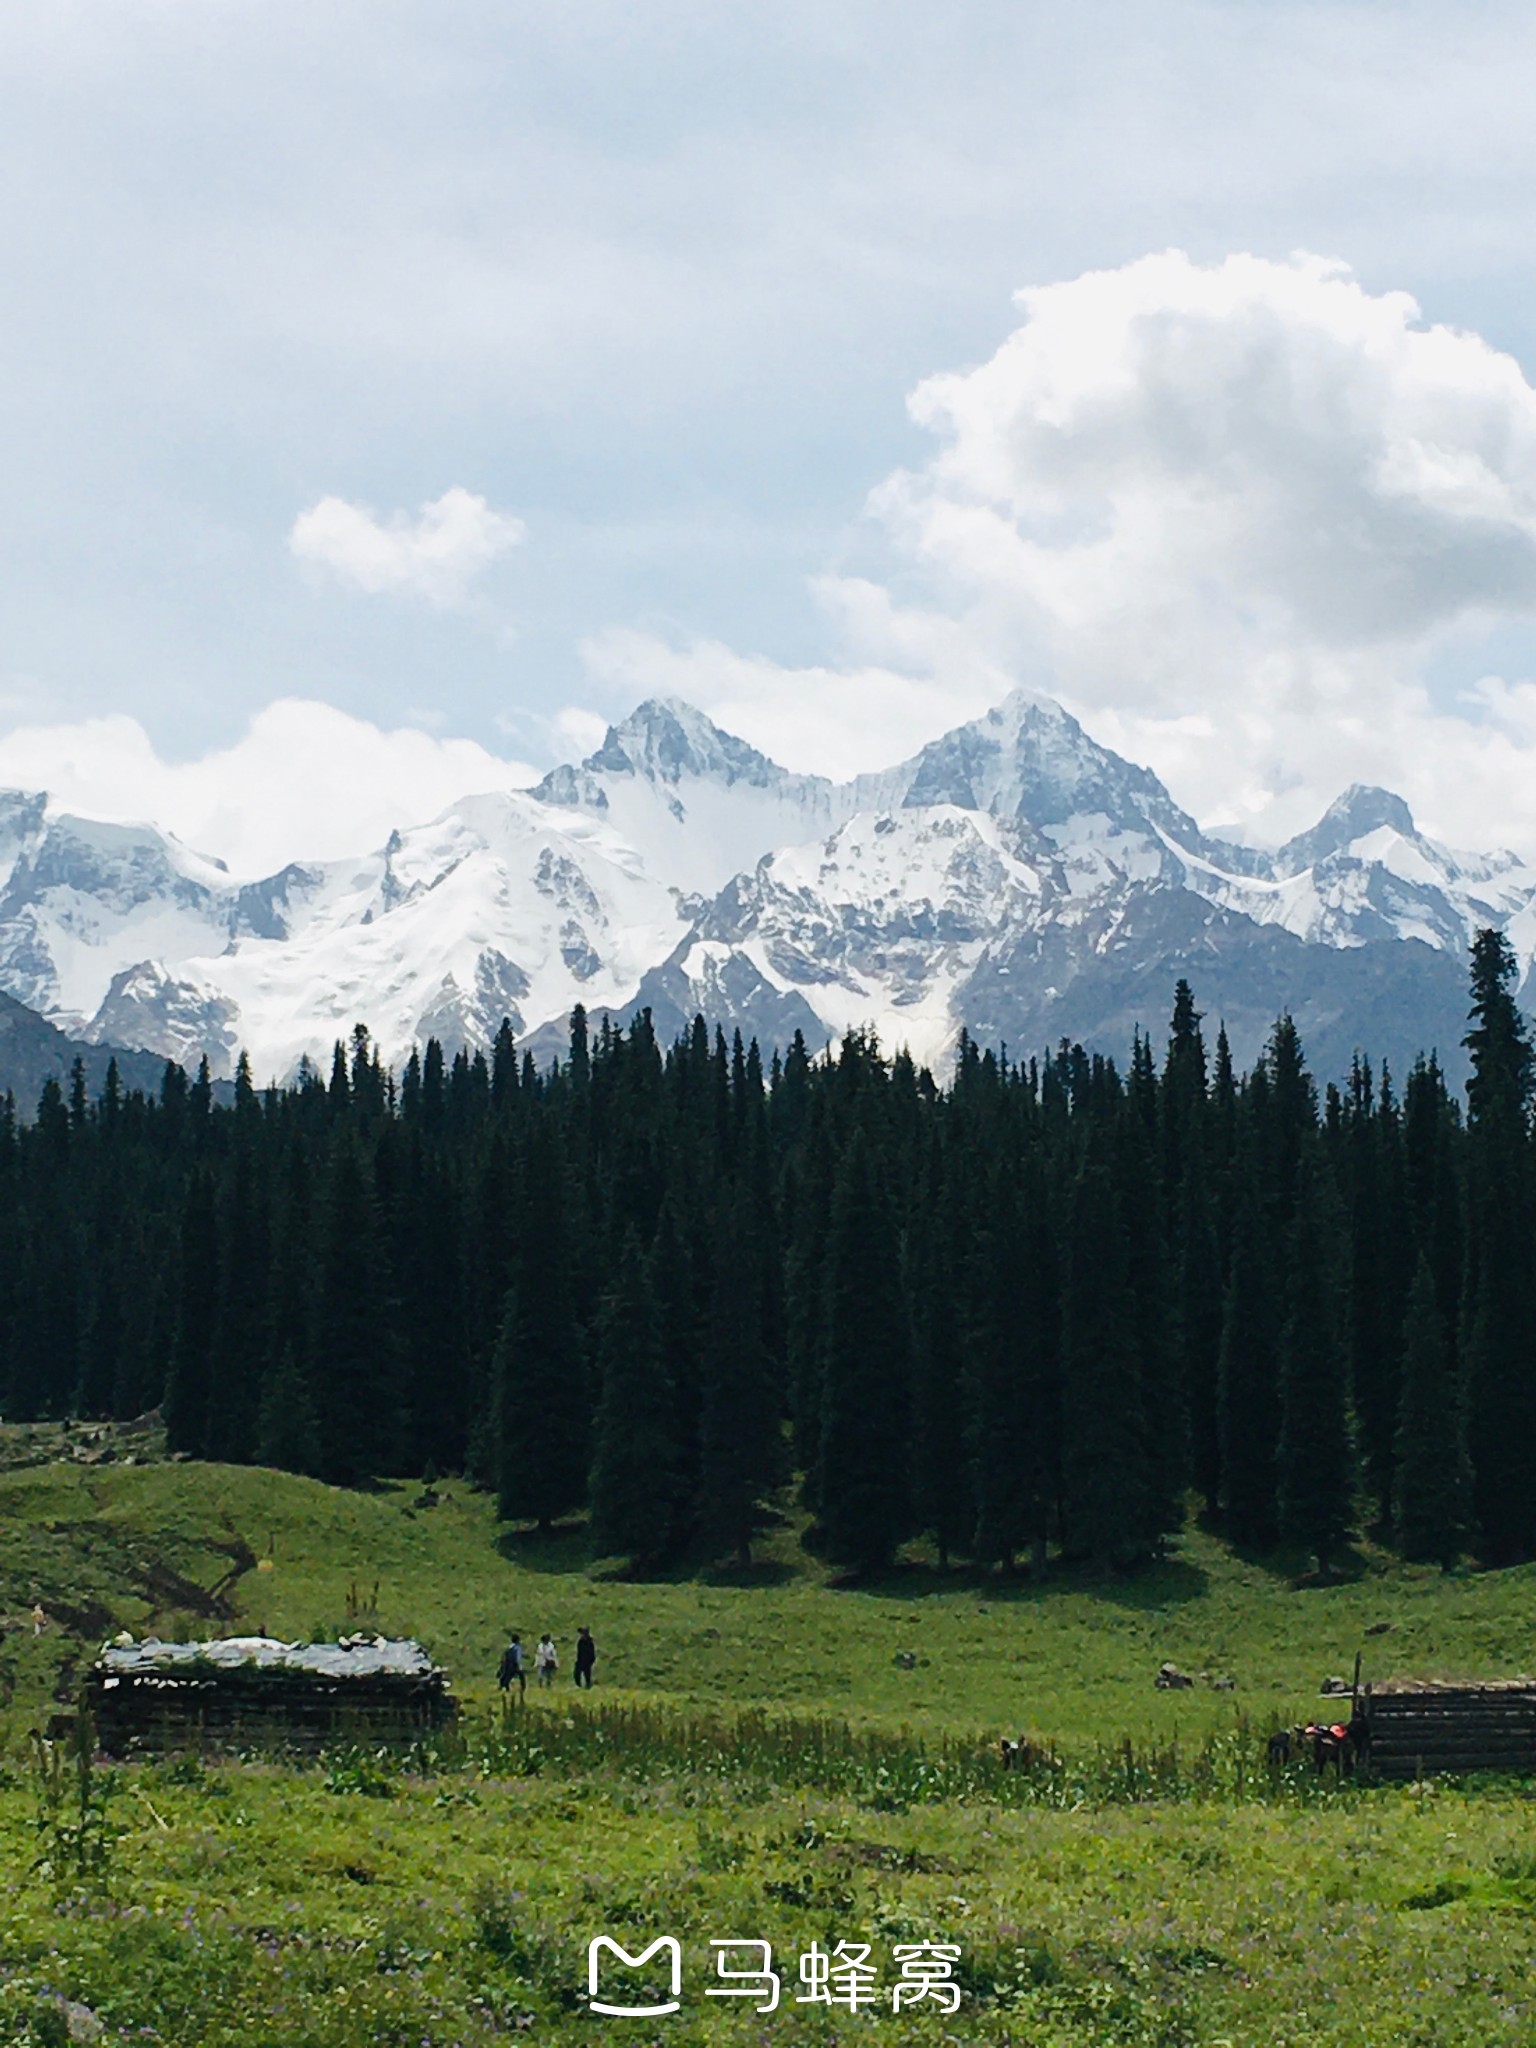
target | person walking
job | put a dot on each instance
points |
(511, 1670)
(586, 1657)
(546, 1659)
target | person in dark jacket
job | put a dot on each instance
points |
(511, 1670)
(586, 1657)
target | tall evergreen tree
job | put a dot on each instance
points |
(1011, 1335)
(1314, 1466)
(1248, 1370)
(942, 1501)
(539, 1383)
(1150, 1277)
(357, 1365)
(1431, 1494)
(189, 1392)
(1497, 1294)
(634, 1453)
(287, 1428)
(682, 1268)
(1431, 1137)
(1110, 1508)
(864, 1488)
(741, 1435)
(240, 1325)
(807, 1202)
(1188, 1165)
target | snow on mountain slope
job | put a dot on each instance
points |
(824, 936)
(999, 878)
(881, 924)
(1366, 872)
(84, 900)
(502, 907)
(697, 805)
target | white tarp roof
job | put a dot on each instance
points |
(352, 1657)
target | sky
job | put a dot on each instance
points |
(392, 394)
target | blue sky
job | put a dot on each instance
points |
(656, 287)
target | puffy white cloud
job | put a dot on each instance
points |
(303, 782)
(437, 555)
(1233, 511)
(1267, 442)
(1233, 514)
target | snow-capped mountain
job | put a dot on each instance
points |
(699, 805)
(1015, 877)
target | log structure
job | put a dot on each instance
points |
(1432, 1729)
(251, 1692)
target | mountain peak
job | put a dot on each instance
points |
(22, 822)
(1361, 809)
(1029, 759)
(668, 740)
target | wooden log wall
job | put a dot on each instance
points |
(1453, 1729)
(151, 1713)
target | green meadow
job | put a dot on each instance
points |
(760, 1759)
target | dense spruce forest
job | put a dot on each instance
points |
(1032, 1311)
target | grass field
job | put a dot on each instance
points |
(756, 1762)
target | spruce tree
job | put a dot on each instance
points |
(244, 1285)
(1248, 1411)
(997, 1391)
(942, 1501)
(808, 1207)
(741, 1442)
(1314, 1464)
(1010, 1333)
(1189, 1198)
(539, 1384)
(287, 1428)
(357, 1360)
(1497, 1295)
(682, 1265)
(190, 1385)
(1431, 1491)
(633, 1489)
(864, 1449)
(1110, 1507)
(1377, 1240)
(1150, 1272)
(1432, 1141)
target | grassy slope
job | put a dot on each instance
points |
(1072, 1659)
(256, 1905)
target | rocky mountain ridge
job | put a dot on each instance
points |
(1014, 877)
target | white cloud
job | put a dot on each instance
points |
(1230, 513)
(303, 782)
(1233, 510)
(1267, 442)
(437, 555)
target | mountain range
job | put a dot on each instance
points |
(1014, 877)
